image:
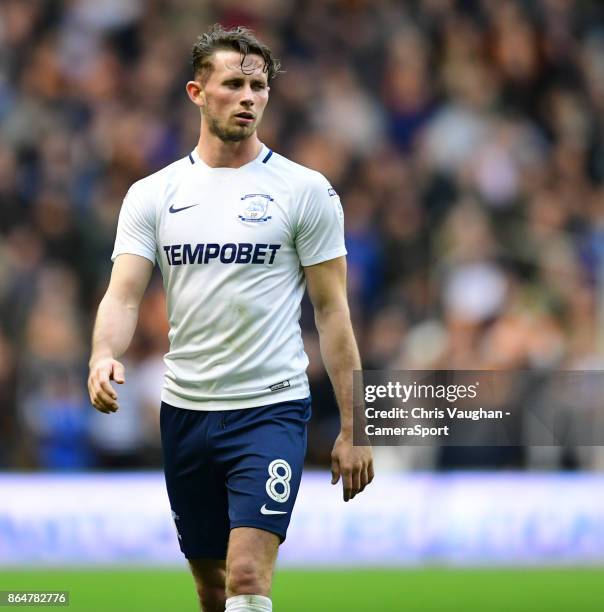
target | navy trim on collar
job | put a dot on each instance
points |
(191, 158)
(267, 157)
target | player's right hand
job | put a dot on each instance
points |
(102, 394)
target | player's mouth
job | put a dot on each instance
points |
(245, 117)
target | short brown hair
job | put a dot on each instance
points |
(239, 39)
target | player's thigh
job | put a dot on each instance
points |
(250, 562)
(208, 573)
(265, 464)
(196, 487)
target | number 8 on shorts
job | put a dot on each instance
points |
(280, 473)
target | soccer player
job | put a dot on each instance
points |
(237, 231)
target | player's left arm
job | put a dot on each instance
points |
(326, 283)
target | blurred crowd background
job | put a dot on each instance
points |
(465, 138)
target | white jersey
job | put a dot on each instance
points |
(230, 243)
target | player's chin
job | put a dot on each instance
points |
(240, 133)
(247, 126)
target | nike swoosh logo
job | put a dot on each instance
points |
(265, 510)
(175, 210)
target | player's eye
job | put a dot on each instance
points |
(258, 85)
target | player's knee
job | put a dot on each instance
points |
(211, 595)
(245, 577)
(209, 584)
(212, 598)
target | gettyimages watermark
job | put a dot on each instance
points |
(478, 408)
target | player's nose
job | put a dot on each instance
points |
(248, 96)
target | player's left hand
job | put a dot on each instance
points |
(353, 463)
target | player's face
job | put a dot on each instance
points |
(235, 96)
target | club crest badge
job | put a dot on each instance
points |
(255, 208)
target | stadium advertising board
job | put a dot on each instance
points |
(454, 519)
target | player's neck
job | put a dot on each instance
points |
(219, 154)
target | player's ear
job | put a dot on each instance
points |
(196, 93)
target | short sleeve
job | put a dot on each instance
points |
(320, 225)
(136, 227)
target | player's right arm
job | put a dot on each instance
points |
(114, 327)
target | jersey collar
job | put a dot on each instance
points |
(264, 154)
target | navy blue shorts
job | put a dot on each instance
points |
(232, 468)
